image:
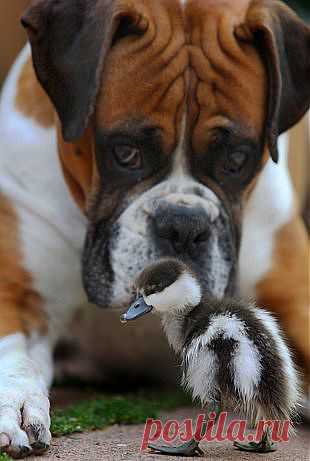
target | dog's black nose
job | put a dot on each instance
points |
(185, 228)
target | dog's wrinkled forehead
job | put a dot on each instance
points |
(188, 61)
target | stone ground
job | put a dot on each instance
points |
(123, 443)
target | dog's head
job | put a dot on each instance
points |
(168, 110)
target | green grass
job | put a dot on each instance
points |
(107, 410)
(99, 413)
(4, 457)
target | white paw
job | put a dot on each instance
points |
(24, 419)
(24, 410)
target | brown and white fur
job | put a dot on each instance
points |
(43, 227)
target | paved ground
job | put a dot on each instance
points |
(123, 443)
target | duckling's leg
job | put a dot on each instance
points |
(190, 448)
(264, 446)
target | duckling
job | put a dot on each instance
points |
(233, 353)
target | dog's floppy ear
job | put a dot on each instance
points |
(70, 40)
(283, 40)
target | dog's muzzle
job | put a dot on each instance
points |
(185, 229)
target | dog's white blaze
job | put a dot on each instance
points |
(23, 391)
(179, 162)
(290, 374)
(184, 292)
(52, 227)
(270, 206)
(246, 367)
(184, 184)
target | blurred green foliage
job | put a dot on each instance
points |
(4, 457)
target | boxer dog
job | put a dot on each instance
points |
(152, 132)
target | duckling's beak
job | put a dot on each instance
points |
(136, 310)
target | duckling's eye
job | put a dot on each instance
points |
(128, 156)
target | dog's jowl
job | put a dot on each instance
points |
(136, 130)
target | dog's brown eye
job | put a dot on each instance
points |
(128, 156)
(235, 162)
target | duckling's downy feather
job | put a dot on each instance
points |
(235, 353)
(235, 356)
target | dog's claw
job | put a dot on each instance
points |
(39, 447)
(19, 452)
(39, 437)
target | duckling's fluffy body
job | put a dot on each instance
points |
(233, 353)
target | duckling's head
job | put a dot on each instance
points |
(167, 286)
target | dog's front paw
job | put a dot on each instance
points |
(24, 412)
